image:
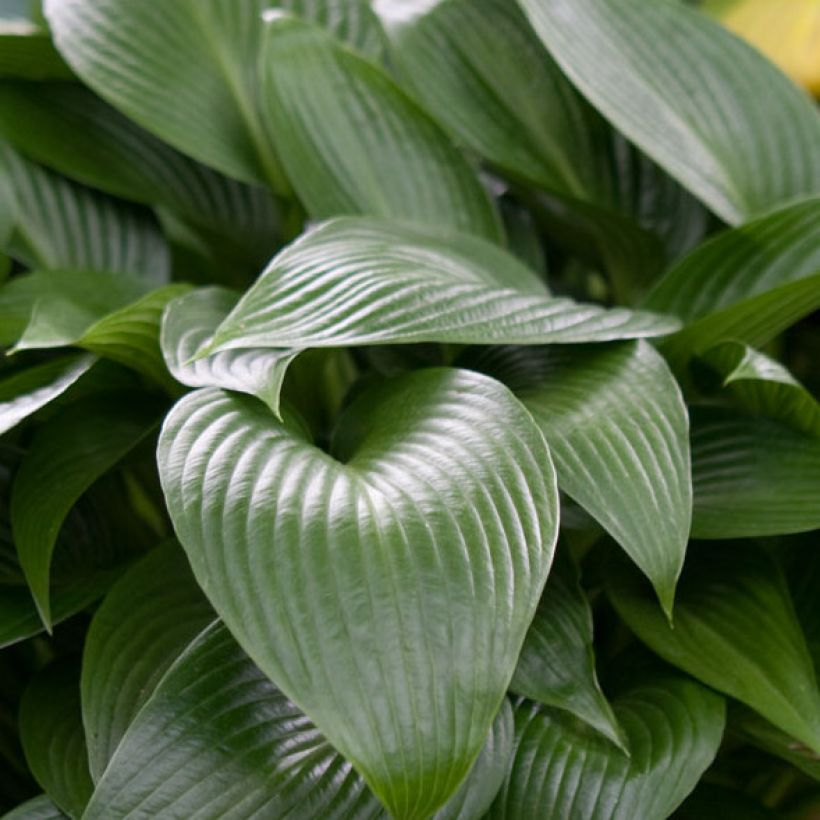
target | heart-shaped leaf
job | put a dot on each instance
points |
(145, 622)
(222, 741)
(556, 666)
(51, 730)
(317, 95)
(563, 770)
(189, 323)
(356, 281)
(703, 104)
(67, 455)
(735, 629)
(420, 555)
(28, 390)
(61, 224)
(752, 476)
(618, 432)
(763, 387)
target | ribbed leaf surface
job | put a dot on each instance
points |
(27, 391)
(38, 808)
(409, 568)
(556, 666)
(189, 322)
(752, 476)
(361, 281)
(318, 95)
(218, 740)
(735, 629)
(564, 771)
(61, 224)
(146, 621)
(67, 455)
(703, 104)
(763, 387)
(618, 432)
(51, 731)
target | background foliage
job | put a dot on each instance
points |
(409, 410)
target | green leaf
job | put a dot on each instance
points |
(704, 105)
(422, 553)
(766, 253)
(185, 71)
(54, 308)
(147, 619)
(618, 432)
(51, 730)
(557, 662)
(67, 455)
(38, 808)
(761, 386)
(70, 129)
(353, 142)
(752, 476)
(356, 281)
(552, 139)
(189, 322)
(217, 739)
(27, 391)
(562, 769)
(735, 629)
(26, 49)
(61, 224)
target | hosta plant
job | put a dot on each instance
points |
(407, 411)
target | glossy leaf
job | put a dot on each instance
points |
(222, 741)
(556, 666)
(735, 629)
(752, 476)
(563, 770)
(69, 302)
(28, 390)
(762, 386)
(358, 281)
(38, 808)
(52, 733)
(189, 322)
(185, 71)
(421, 554)
(317, 95)
(67, 455)
(61, 224)
(618, 431)
(703, 104)
(146, 621)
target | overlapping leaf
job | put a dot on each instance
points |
(146, 621)
(70, 129)
(762, 386)
(51, 730)
(67, 455)
(222, 741)
(618, 431)
(26, 391)
(189, 322)
(735, 629)
(752, 476)
(61, 224)
(556, 666)
(26, 49)
(353, 142)
(703, 104)
(410, 567)
(563, 770)
(38, 808)
(355, 281)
